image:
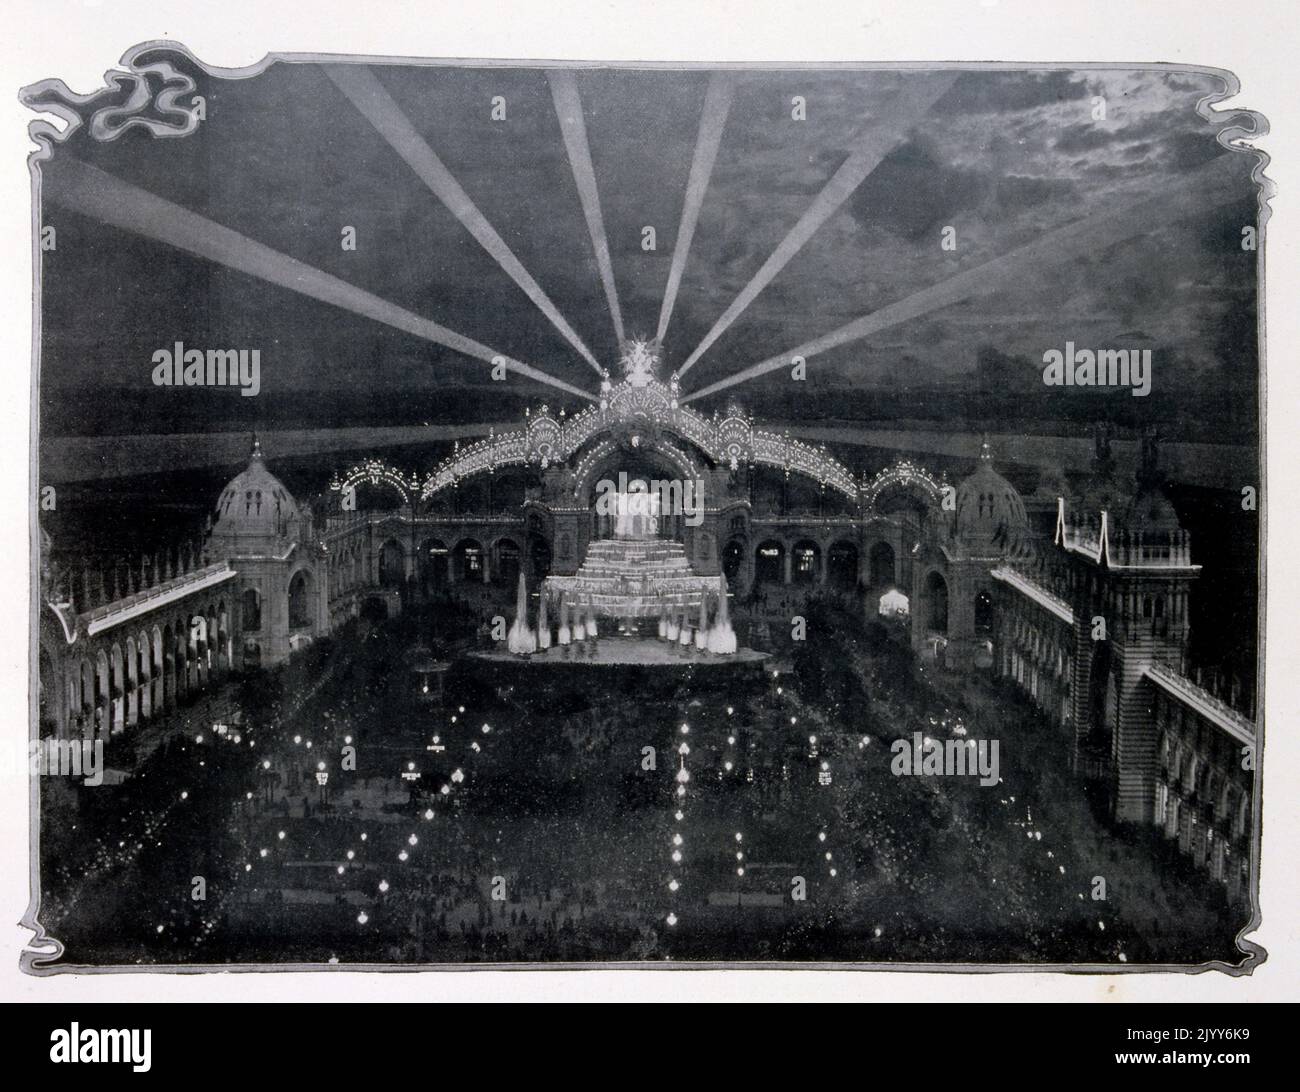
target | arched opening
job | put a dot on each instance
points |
(117, 685)
(936, 603)
(103, 696)
(251, 607)
(86, 706)
(769, 563)
(194, 653)
(146, 676)
(300, 600)
(733, 560)
(1103, 700)
(392, 564)
(468, 560)
(180, 637)
(881, 563)
(642, 492)
(983, 614)
(506, 568)
(893, 604)
(212, 645)
(132, 683)
(169, 667)
(159, 671)
(433, 565)
(842, 565)
(806, 561)
(539, 556)
(223, 638)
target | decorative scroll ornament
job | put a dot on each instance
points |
(145, 96)
(375, 472)
(902, 475)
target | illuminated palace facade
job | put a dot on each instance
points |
(982, 590)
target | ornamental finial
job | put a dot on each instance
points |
(639, 360)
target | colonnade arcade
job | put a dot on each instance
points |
(115, 679)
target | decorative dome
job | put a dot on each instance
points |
(1152, 513)
(255, 504)
(990, 517)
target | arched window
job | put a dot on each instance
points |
(300, 613)
(252, 611)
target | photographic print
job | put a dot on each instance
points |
(549, 514)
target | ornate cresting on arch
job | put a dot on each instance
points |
(376, 472)
(497, 449)
(547, 438)
(902, 475)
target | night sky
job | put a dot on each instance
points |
(1005, 157)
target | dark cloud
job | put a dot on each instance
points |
(913, 193)
(1016, 192)
(992, 92)
(1083, 138)
(1190, 149)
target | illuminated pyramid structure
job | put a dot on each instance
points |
(635, 578)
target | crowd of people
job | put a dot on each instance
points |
(532, 817)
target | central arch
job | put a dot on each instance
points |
(636, 464)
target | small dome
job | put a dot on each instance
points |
(254, 503)
(990, 517)
(1152, 513)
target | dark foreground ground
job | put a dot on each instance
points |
(606, 813)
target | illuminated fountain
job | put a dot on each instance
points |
(722, 638)
(521, 640)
